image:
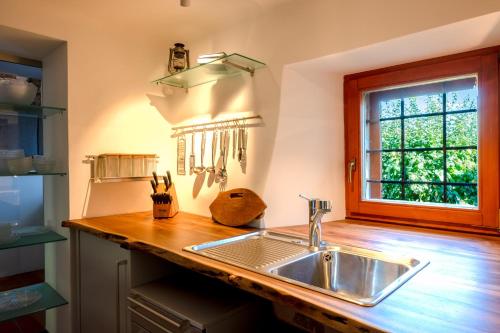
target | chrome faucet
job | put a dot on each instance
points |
(317, 208)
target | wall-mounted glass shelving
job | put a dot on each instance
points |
(231, 65)
(31, 111)
(50, 173)
(24, 301)
(27, 236)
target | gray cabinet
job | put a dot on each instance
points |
(104, 276)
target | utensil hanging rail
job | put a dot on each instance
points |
(255, 121)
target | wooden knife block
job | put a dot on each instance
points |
(164, 211)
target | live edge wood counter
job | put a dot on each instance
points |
(458, 292)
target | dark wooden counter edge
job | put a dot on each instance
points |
(230, 275)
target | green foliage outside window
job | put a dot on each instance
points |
(427, 132)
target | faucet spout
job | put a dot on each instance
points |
(315, 230)
(317, 208)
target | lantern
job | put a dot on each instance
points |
(179, 58)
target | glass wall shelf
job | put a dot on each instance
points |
(231, 65)
(51, 173)
(31, 111)
(41, 296)
(27, 236)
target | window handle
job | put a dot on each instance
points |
(351, 167)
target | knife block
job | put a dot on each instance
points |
(164, 211)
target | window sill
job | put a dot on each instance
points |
(429, 225)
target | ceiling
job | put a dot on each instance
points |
(161, 16)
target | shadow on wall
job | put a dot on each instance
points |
(103, 198)
(232, 97)
(228, 95)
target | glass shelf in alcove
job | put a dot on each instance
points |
(231, 65)
(31, 235)
(31, 111)
(23, 301)
(50, 173)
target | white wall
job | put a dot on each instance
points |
(108, 77)
(304, 44)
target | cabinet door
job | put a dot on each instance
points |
(104, 285)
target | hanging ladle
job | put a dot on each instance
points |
(211, 169)
(200, 169)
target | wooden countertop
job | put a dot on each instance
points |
(458, 292)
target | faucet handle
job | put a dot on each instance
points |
(318, 204)
(304, 197)
(324, 205)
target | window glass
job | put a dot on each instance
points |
(421, 143)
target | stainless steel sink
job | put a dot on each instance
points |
(357, 275)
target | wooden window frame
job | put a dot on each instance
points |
(484, 63)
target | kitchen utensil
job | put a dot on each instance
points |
(221, 152)
(244, 140)
(192, 156)
(161, 198)
(138, 166)
(155, 178)
(211, 169)
(150, 162)
(6, 155)
(235, 136)
(181, 155)
(227, 142)
(43, 164)
(240, 143)
(19, 166)
(125, 168)
(207, 58)
(18, 298)
(165, 203)
(200, 169)
(222, 139)
(166, 182)
(153, 185)
(237, 207)
(109, 165)
(17, 90)
(7, 234)
(169, 177)
(222, 175)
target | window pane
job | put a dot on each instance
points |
(424, 166)
(390, 131)
(423, 104)
(390, 108)
(391, 191)
(384, 166)
(461, 100)
(461, 129)
(424, 193)
(432, 162)
(461, 166)
(425, 132)
(462, 195)
(391, 166)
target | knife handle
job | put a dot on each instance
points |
(169, 176)
(167, 183)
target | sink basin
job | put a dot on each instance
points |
(363, 278)
(358, 275)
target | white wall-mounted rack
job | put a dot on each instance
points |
(244, 122)
(112, 168)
